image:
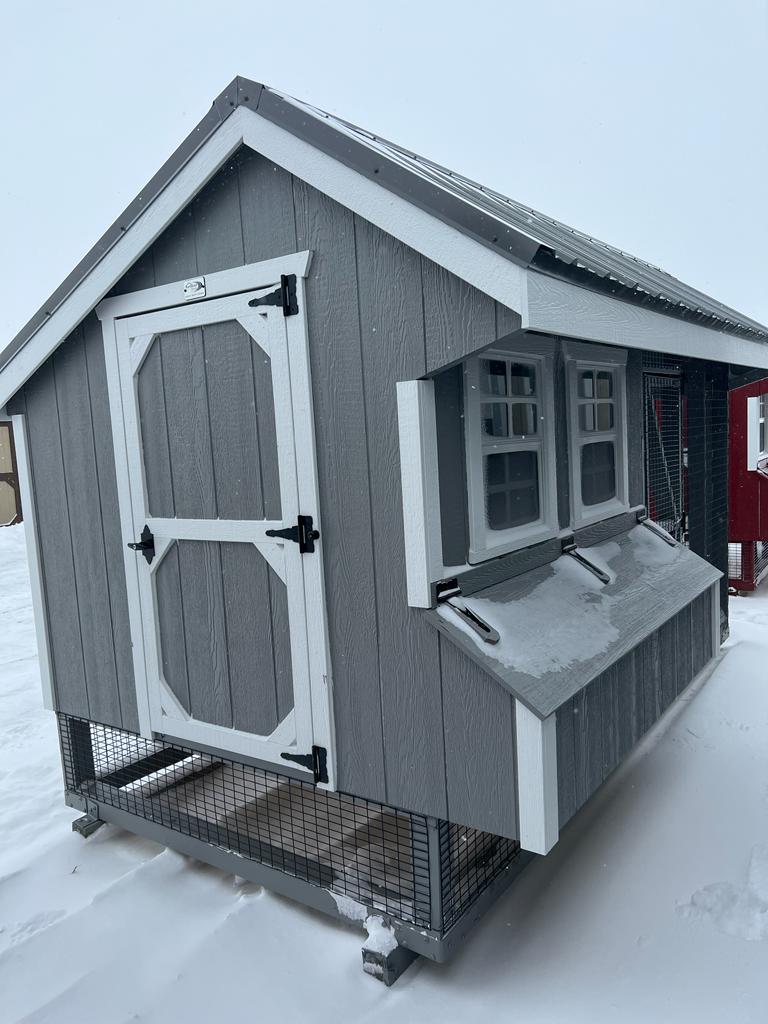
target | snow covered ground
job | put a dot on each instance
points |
(652, 908)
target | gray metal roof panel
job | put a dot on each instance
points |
(569, 245)
(518, 232)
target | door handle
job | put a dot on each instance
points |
(146, 545)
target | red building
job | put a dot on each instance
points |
(748, 485)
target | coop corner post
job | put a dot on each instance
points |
(34, 556)
(536, 742)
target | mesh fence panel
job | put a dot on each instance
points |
(469, 861)
(747, 564)
(664, 481)
(360, 849)
(367, 851)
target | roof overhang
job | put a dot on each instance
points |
(546, 304)
(552, 306)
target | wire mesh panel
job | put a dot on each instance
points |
(469, 861)
(664, 468)
(367, 851)
(747, 564)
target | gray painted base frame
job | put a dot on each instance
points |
(423, 941)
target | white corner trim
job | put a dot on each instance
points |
(558, 307)
(536, 743)
(753, 433)
(421, 496)
(24, 468)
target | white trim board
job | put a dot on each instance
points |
(536, 743)
(420, 486)
(551, 306)
(39, 612)
(251, 277)
(108, 271)
(462, 256)
(546, 304)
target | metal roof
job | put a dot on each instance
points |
(560, 249)
(518, 232)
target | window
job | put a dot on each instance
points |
(598, 443)
(510, 458)
(763, 426)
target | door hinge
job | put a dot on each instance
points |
(317, 762)
(284, 296)
(146, 545)
(301, 534)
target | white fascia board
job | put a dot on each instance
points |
(469, 260)
(199, 169)
(552, 306)
(536, 745)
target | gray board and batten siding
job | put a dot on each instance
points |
(418, 724)
(598, 727)
(378, 313)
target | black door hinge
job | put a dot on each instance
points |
(317, 762)
(284, 296)
(301, 534)
(146, 545)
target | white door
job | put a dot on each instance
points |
(228, 625)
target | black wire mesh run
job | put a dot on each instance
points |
(369, 852)
(469, 861)
(664, 469)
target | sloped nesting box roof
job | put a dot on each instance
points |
(559, 626)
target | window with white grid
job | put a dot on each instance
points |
(598, 434)
(510, 455)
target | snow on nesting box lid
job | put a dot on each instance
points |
(560, 626)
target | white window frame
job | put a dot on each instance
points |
(757, 417)
(588, 357)
(485, 543)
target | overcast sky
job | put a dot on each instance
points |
(643, 123)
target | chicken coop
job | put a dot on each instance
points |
(350, 574)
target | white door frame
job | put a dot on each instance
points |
(287, 337)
